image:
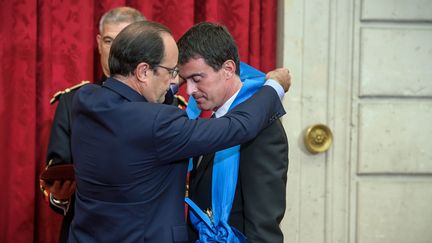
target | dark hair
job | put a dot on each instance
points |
(138, 42)
(209, 41)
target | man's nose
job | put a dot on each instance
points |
(190, 88)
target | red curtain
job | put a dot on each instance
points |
(49, 45)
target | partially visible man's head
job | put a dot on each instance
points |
(209, 62)
(146, 54)
(210, 41)
(110, 24)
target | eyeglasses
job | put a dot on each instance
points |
(172, 71)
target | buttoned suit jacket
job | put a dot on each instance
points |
(129, 186)
(259, 201)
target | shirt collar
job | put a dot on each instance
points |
(225, 107)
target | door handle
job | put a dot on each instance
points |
(318, 138)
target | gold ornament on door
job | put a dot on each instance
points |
(318, 138)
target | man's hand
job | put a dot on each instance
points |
(61, 190)
(282, 75)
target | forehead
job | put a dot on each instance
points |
(112, 29)
(194, 65)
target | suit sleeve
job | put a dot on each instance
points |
(177, 137)
(263, 172)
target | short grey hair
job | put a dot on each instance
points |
(120, 15)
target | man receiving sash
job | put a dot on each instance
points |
(237, 194)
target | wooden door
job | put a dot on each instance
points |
(364, 69)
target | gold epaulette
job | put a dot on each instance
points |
(57, 95)
(181, 100)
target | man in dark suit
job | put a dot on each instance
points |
(209, 62)
(125, 142)
(60, 194)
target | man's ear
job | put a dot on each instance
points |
(229, 67)
(142, 72)
(99, 42)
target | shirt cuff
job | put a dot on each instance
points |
(276, 86)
